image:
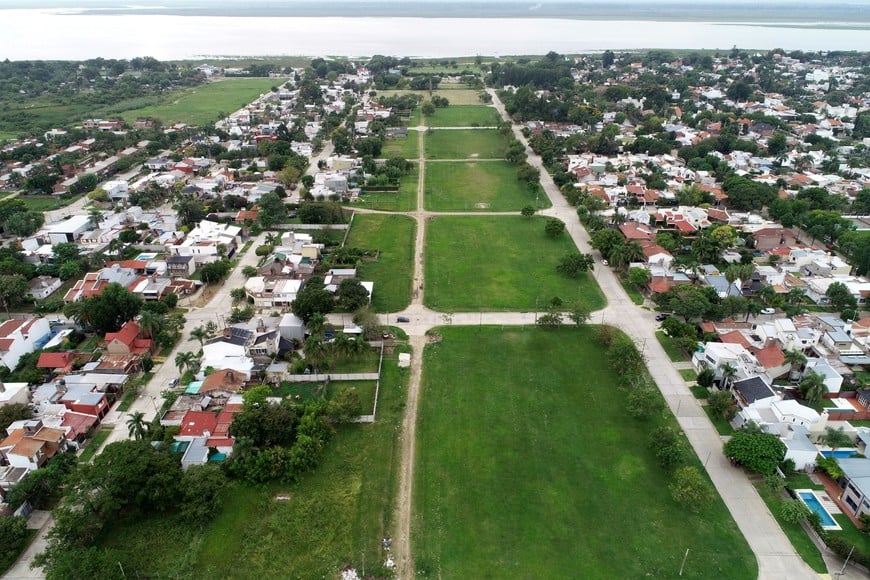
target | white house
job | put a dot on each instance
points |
(716, 355)
(117, 190)
(833, 379)
(68, 230)
(42, 287)
(20, 336)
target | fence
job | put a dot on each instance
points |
(316, 378)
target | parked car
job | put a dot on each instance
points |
(604, 262)
(403, 319)
(768, 310)
(173, 382)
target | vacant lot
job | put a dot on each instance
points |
(406, 147)
(528, 467)
(470, 144)
(335, 516)
(456, 96)
(484, 185)
(498, 263)
(203, 104)
(403, 200)
(464, 116)
(393, 235)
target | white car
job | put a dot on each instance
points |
(604, 262)
(768, 311)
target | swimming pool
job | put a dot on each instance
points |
(812, 502)
(839, 453)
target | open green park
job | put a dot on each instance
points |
(403, 199)
(406, 147)
(203, 104)
(465, 144)
(483, 185)
(392, 272)
(529, 467)
(499, 263)
(464, 116)
(336, 515)
(458, 95)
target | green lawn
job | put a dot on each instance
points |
(484, 185)
(201, 105)
(46, 203)
(95, 443)
(407, 147)
(403, 200)
(470, 144)
(688, 374)
(456, 96)
(528, 467)
(723, 427)
(633, 293)
(464, 116)
(671, 349)
(308, 391)
(394, 270)
(499, 263)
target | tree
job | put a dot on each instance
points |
(107, 311)
(690, 488)
(554, 227)
(527, 211)
(312, 300)
(706, 377)
(605, 240)
(200, 333)
(256, 397)
(14, 412)
(13, 537)
(624, 357)
(757, 452)
(668, 447)
(151, 323)
(722, 405)
(572, 264)
(549, 320)
(272, 210)
(345, 407)
(796, 360)
(13, 290)
(728, 372)
(835, 438)
(793, 511)
(639, 277)
(238, 294)
(202, 489)
(137, 427)
(249, 271)
(686, 300)
(579, 312)
(643, 402)
(185, 360)
(23, 224)
(352, 295)
(840, 297)
(622, 256)
(813, 388)
(215, 271)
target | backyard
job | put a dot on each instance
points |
(465, 144)
(529, 468)
(499, 263)
(202, 104)
(336, 515)
(406, 147)
(484, 185)
(405, 199)
(393, 235)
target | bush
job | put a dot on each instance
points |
(13, 536)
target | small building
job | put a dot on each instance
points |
(128, 340)
(42, 287)
(20, 336)
(32, 446)
(180, 266)
(855, 484)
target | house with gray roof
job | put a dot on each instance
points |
(856, 484)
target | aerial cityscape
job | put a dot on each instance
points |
(350, 289)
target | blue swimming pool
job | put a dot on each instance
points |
(813, 503)
(840, 453)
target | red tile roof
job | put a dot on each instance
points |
(633, 231)
(770, 356)
(54, 360)
(129, 335)
(198, 423)
(735, 337)
(11, 326)
(684, 226)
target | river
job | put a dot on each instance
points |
(29, 34)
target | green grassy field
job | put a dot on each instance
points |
(456, 96)
(406, 147)
(484, 185)
(672, 350)
(392, 273)
(309, 391)
(335, 516)
(464, 116)
(499, 263)
(202, 105)
(40, 203)
(529, 468)
(404, 200)
(473, 143)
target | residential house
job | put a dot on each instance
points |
(223, 382)
(20, 336)
(197, 424)
(180, 266)
(58, 361)
(753, 392)
(67, 231)
(42, 287)
(14, 394)
(94, 283)
(269, 292)
(833, 379)
(84, 399)
(128, 340)
(855, 484)
(32, 446)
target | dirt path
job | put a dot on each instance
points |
(402, 540)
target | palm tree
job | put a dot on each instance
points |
(151, 323)
(272, 239)
(315, 352)
(729, 371)
(199, 333)
(95, 215)
(185, 359)
(136, 425)
(316, 324)
(813, 387)
(175, 322)
(796, 359)
(767, 295)
(835, 438)
(753, 308)
(343, 345)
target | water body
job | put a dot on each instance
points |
(175, 32)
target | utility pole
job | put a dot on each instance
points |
(686, 555)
